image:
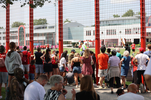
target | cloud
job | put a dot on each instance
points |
(122, 1)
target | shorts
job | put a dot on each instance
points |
(133, 50)
(77, 69)
(139, 76)
(55, 66)
(102, 73)
(124, 71)
(48, 67)
(3, 77)
(61, 69)
(31, 76)
(26, 67)
(39, 68)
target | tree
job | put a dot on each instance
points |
(116, 15)
(128, 13)
(40, 21)
(35, 4)
(67, 20)
(17, 24)
(1, 28)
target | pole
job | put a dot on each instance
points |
(60, 21)
(55, 21)
(7, 26)
(143, 24)
(97, 36)
(31, 27)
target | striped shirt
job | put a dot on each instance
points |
(52, 95)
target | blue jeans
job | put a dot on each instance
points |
(31, 76)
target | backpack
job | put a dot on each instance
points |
(53, 61)
(2, 62)
(25, 58)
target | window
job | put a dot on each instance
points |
(4, 38)
(0, 38)
(3, 43)
(93, 32)
(3, 32)
(127, 31)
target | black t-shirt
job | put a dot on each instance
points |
(127, 48)
(38, 59)
(83, 95)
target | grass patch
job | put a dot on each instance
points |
(3, 93)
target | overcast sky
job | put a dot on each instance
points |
(81, 11)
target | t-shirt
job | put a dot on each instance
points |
(133, 46)
(3, 69)
(134, 67)
(148, 69)
(34, 91)
(28, 56)
(114, 61)
(127, 48)
(70, 77)
(62, 61)
(119, 55)
(103, 61)
(141, 58)
(38, 59)
(130, 96)
(32, 69)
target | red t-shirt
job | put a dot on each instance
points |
(134, 67)
(28, 56)
(103, 61)
(3, 69)
(133, 46)
(32, 69)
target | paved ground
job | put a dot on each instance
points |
(104, 94)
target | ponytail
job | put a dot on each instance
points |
(9, 53)
(12, 47)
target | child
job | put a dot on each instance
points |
(32, 71)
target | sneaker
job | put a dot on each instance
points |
(105, 87)
(1, 97)
(77, 86)
(95, 85)
(101, 87)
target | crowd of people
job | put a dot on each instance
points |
(25, 75)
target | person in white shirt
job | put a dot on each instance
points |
(131, 95)
(62, 66)
(141, 66)
(148, 75)
(35, 90)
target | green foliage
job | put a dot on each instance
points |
(129, 43)
(40, 21)
(116, 15)
(67, 20)
(36, 3)
(17, 24)
(1, 28)
(128, 13)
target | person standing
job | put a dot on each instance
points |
(103, 65)
(125, 66)
(118, 53)
(141, 67)
(127, 48)
(39, 63)
(93, 66)
(26, 59)
(83, 47)
(70, 57)
(12, 61)
(62, 66)
(47, 63)
(35, 90)
(87, 66)
(133, 48)
(3, 71)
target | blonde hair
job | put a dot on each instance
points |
(126, 53)
(87, 85)
(86, 53)
(76, 54)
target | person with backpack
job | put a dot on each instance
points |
(3, 71)
(26, 60)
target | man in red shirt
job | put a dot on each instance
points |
(103, 65)
(26, 60)
(3, 70)
(133, 48)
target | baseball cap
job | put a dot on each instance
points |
(141, 49)
(73, 50)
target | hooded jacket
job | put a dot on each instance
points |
(13, 62)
